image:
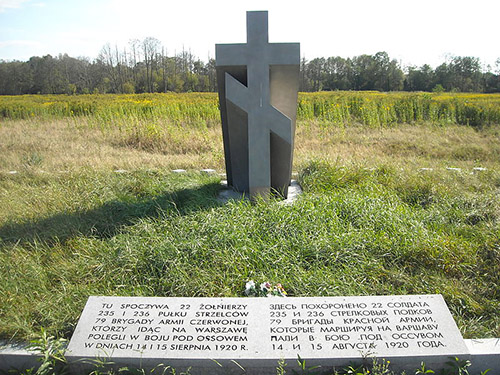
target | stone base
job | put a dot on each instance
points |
(227, 193)
(484, 354)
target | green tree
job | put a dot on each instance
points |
(338, 74)
(444, 76)
(150, 47)
(466, 73)
(364, 72)
(420, 79)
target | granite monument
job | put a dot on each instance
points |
(258, 85)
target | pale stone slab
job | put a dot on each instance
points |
(208, 171)
(222, 334)
(294, 191)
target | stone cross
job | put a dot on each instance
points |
(258, 85)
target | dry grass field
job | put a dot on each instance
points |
(401, 195)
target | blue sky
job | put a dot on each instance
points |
(427, 31)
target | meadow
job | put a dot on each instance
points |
(371, 108)
(401, 196)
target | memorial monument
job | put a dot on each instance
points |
(258, 85)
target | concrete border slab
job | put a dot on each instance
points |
(17, 357)
(485, 354)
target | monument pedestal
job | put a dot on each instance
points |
(228, 193)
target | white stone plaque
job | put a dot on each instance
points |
(228, 334)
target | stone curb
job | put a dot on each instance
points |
(17, 357)
(485, 354)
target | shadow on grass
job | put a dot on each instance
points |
(106, 221)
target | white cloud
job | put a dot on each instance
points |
(10, 4)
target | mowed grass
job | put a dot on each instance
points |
(370, 221)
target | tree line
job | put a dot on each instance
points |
(381, 73)
(144, 66)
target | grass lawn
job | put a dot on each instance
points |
(380, 214)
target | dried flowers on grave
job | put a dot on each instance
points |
(265, 289)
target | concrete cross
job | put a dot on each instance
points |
(263, 120)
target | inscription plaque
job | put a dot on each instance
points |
(216, 333)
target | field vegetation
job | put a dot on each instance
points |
(401, 196)
(340, 108)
